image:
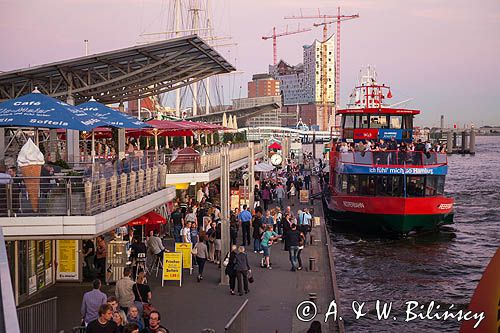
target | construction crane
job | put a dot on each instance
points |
(275, 35)
(324, 71)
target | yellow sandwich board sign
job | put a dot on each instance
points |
(172, 267)
(185, 249)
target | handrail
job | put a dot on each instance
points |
(8, 315)
(240, 316)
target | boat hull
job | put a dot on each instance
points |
(391, 215)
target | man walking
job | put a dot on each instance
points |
(293, 240)
(154, 324)
(178, 221)
(123, 291)
(103, 324)
(280, 195)
(245, 217)
(91, 302)
(305, 221)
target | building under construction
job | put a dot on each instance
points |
(301, 86)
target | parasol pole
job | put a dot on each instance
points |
(156, 144)
(37, 141)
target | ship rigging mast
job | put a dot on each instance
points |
(275, 35)
(324, 71)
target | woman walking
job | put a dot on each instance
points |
(230, 271)
(242, 269)
(201, 252)
(142, 293)
(268, 239)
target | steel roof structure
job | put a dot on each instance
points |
(121, 75)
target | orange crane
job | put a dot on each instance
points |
(275, 35)
(324, 80)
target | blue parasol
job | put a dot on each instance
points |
(42, 111)
(110, 116)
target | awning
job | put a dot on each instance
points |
(110, 116)
(42, 111)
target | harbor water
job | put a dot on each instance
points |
(443, 267)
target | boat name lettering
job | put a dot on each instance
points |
(445, 206)
(351, 204)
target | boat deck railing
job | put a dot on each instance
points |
(393, 158)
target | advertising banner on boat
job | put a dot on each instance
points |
(365, 134)
(387, 134)
(370, 170)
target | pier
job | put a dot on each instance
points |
(272, 300)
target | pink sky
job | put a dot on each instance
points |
(444, 54)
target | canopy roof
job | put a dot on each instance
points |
(121, 75)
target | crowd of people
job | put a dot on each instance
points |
(197, 220)
(120, 313)
(390, 145)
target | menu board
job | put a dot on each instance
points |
(67, 268)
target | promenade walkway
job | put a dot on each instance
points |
(273, 296)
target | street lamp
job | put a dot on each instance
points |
(245, 178)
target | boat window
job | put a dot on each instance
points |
(353, 184)
(383, 186)
(366, 185)
(440, 185)
(396, 122)
(408, 122)
(349, 121)
(430, 186)
(397, 186)
(344, 183)
(362, 122)
(415, 186)
(377, 121)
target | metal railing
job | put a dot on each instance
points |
(239, 321)
(105, 187)
(393, 157)
(40, 317)
(8, 317)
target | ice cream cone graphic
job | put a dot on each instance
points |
(30, 161)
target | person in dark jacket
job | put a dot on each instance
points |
(230, 271)
(242, 269)
(293, 240)
(257, 230)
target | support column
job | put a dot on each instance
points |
(251, 174)
(2, 145)
(449, 143)
(195, 98)
(225, 209)
(472, 142)
(53, 148)
(121, 137)
(72, 139)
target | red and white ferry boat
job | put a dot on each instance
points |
(390, 190)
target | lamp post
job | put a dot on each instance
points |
(224, 203)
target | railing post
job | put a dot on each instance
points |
(68, 197)
(8, 192)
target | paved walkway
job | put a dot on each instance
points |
(272, 299)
